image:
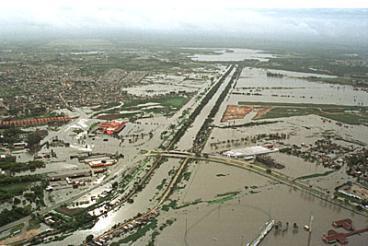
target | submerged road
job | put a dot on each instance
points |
(249, 166)
(195, 121)
(185, 142)
(183, 139)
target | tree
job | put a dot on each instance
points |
(33, 139)
(89, 238)
(16, 201)
(11, 135)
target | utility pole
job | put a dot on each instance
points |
(186, 226)
(186, 229)
(310, 230)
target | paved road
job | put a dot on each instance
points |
(248, 165)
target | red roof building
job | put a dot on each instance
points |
(347, 224)
(112, 127)
(34, 121)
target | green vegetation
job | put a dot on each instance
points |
(156, 232)
(11, 190)
(72, 220)
(186, 176)
(15, 167)
(16, 228)
(337, 80)
(187, 122)
(129, 63)
(34, 223)
(197, 201)
(288, 112)
(37, 114)
(223, 198)
(34, 138)
(160, 186)
(4, 179)
(126, 179)
(14, 134)
(331, 107)
(345, 114)
(171, 205)
(13, 231)
(167, 104)
(323, 61)
(220, 198)
(93, 127)
(232, 193)
(18, 190)
(8, 216)
(16, 186)
(349, 118)
(316, 175)
(11, 135)
(174, 205)
(168, 101)
(201, 137)
(249, 124)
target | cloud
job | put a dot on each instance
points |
(240, 17)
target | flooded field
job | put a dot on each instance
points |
(255, 86)
(232, 55)
(301, 130)
(165, 83)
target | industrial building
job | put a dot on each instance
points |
(249, 152)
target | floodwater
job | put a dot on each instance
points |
(142, 202)
(301, 130)
(239, 220)
(232, 55)
(146, 198)
(165, 83)
(297, 167)
(186, 142)
(293, 88)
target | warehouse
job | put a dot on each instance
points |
(249, 151)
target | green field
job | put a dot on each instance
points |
(346, 114)
(282, 112)
(169, 101)
(169, 104)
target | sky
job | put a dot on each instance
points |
(303, 18)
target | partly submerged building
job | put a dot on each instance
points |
(112, 127)
(249, 152)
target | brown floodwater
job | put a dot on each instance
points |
(240, 219)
